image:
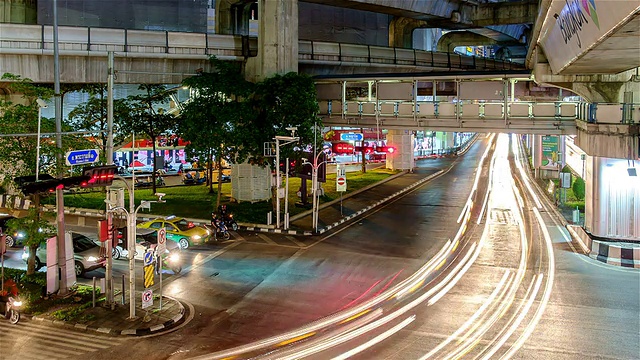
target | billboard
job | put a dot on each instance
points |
(550, 152)
(572, 27)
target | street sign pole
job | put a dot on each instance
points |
(161, 249)
(160, 260)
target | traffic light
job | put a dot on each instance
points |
(46, 186)
(388, 149)
(98, 176)
(367, 149)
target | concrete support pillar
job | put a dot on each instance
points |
(402, 159)
(18, 12)
(224, 16)
(277, 40)
(612, 201)
(449, 140)
(401, 31)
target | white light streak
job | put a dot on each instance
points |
(473, 318)
(376, 339)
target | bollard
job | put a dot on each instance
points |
(94, 292)
(576, 216)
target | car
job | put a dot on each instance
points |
(180, 230)
(86, 254)
(147, 239)
(10, 239)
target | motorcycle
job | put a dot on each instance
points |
(148, 183)
(172, 261)
(218, 227)
(10, 308)
(227, 218)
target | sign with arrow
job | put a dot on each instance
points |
(351, 137)
(81, 157)
(162, 242)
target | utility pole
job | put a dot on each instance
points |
(109, 155)
(63, 288)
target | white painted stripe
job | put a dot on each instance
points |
(60, 344)
(156, 327)
(41, 328)
(128, 332)
(266, 239)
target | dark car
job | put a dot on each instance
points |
(10, 240)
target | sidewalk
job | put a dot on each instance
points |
(115, 322)
(609, 251)
(337, 212)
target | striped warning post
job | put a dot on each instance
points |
(148, 276)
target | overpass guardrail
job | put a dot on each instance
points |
(603, 113)
(72, 40)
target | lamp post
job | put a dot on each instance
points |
(132, 214)
(314, 189)
(41, 105)
(285, 141)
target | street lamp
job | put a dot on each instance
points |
(314, 189)
(285, 141)
(41, 105)
(132, 215)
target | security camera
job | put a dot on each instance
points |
(41, 103)
(293, 130)
(160, 196)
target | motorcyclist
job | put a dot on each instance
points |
(10, 289)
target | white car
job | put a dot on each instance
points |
(86, 254)
(148, 239)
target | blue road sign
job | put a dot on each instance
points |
(351, 136)
(148, 258)
(80, 157)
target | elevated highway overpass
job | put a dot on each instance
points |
(168, 57)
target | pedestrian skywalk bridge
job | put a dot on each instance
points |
(547, 118)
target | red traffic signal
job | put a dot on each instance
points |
(388, 149)
(99, 175)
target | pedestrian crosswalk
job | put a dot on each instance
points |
(35, 340)
(272, 239)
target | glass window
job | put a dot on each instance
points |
(183, 225)
(82, 243)
(156, 225)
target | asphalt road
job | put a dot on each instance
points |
(259, 285)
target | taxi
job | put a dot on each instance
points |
(182, 231)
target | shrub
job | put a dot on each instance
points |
(578, 189)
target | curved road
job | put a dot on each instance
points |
(253, 287)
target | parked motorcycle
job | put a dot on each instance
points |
(227, 218)
(149, 182)
(218, 227)
(10, 308)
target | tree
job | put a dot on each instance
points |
(285, 101)
(147, 116)
(288, 101)
(216, 118)
(92, 116)
(578, 189)
(35, 230)
(18, 152)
